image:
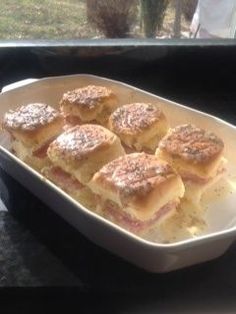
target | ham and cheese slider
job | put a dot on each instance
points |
(32, 128)
(77, 154)
(137, 191)
(140, 126)
(196, 154)
(88, 104)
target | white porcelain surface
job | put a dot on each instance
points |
(156, 257)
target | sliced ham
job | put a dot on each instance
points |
(73, 120)
(194, 178)
(112, 212)
(200, 180)
(63, 179)
(41, 152)
(128, 149)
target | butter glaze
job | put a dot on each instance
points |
(133, 118)
(135, 174)
(87, 97)
(81, 140)
(30, 117)
(192, 144)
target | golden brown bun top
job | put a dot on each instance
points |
(134, 175)
(134, 117)
(30, 117)
(87, 97)
(81, 140)
(192, 144)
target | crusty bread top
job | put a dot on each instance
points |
(192, 144)
(80, 141)
(134, 118)
(87, 97)
(134, 175)
(30, 117)
(33, 124)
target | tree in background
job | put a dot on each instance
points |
(189, 7)
(177, 21)
(114, 18)
(152, 14)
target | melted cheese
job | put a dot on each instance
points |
(21, 150)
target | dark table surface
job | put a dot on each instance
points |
(39, 249)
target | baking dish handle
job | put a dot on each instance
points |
(18, 84)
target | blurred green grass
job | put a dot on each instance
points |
(58, 19)
(44, 19)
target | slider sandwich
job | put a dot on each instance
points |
(32, 128)
(137, 191)
(197, 155)
(88, 104)
(77, 154)
(140, 126)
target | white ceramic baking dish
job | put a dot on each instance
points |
(150, 255)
